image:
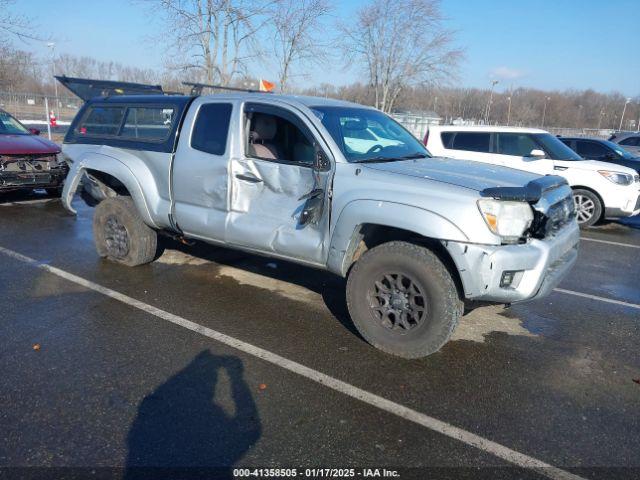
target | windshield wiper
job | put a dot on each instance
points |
(390, 159)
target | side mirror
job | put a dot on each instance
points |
(321, 163)
(34, 131)
(537, 154)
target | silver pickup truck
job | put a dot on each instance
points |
(329, 184)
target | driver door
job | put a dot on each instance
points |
(280, 186)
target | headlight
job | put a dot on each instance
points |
(509, 220)
(617, 177)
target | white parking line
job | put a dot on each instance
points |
(469, 438)
(608, 242)
(596, 297)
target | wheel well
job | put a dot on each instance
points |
(109, 181)
(372, 235)
(580, 187)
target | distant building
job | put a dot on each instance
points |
(417, 122)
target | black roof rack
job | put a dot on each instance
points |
(196, 88)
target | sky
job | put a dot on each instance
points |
(546, 44)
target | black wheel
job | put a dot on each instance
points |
(120, 234)
(588, 207)
(403, 300)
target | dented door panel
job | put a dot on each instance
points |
(266, 203)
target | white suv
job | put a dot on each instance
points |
(599, 189)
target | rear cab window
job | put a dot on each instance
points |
(101, 121)
(151, 123)
(148, 122)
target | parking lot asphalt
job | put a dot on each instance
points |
(89, 379)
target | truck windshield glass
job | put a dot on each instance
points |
(555, 149)
(369, 135)
(11, 126)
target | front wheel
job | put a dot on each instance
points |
(403, 300)
(120, 234)
(588, 207)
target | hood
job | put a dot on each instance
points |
(26, 145)
(464, 173)
(595, 165)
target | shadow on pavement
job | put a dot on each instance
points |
(181, 432)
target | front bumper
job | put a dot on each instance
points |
(630, 208)
(541, 265)
(43, 179)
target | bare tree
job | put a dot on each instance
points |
(214, 38)
(297, 34)
(400, 43)
(14, 25)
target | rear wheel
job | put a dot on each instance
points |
(120, 234)
(403, 300)
(588, 207)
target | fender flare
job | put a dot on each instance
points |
(346, 233)
(111, 166)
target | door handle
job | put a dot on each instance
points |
(248, 178)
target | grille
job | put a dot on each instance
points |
(558, 215)
(637, 203)
(637, 178)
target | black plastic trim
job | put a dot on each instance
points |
(531, 192)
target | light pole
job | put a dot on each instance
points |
(488, 110)
(579, 116)
(509, 111)
(623, 112)
(600, 117)
(544, 109)
(52, 46)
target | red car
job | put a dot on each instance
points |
(28, 161)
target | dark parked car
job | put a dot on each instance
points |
(603, 151)
(630, 141)
(28, 161)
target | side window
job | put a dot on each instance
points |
(591, 150)
(631, 141)
(471, 141)
(517, 144)
(446, 139)
(211, 128)
(101, 121)
(272, 137)
(148, 123)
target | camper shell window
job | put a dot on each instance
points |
(138, 123)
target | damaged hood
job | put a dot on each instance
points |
(474, 175)
(26, 145)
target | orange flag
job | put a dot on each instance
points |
(266, 86)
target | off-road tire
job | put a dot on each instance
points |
(431, 277)
(120, 235)
(581, 195)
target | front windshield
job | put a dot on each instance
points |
(554, 148)
(619, 150)
(367, 135)
(11, 126)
